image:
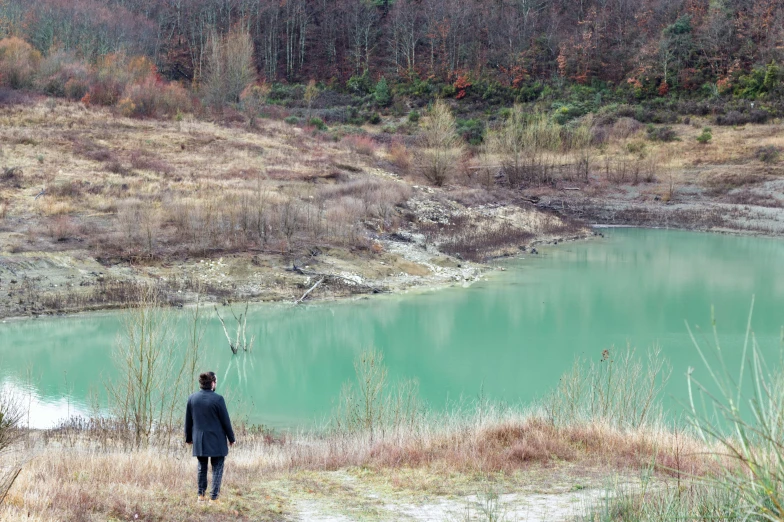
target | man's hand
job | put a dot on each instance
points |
(231, 444)
(189, 443)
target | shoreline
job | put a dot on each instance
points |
(435, 282)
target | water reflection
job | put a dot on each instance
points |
(512, 336)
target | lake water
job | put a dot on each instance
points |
(509, 337)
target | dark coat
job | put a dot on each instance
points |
(207, 424)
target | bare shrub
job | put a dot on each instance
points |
(154, 98)
(361, 144)
(625, 127)
(113, 73)
(144, 160)
(768, 154)
(361, 198)
(11, 414)
(477, 245)
(140, 224)
(65, 190)
(370, 405)
(525, 143)
(116, 167)
(61, 228)
(442, 146)
(62, 74)
(618, 391)
(148, 397)
(400, 156)
(253, 99)
(18, 63)
(91, 150)
(230, 67)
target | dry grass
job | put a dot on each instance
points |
(61, 484)
(84, 481)
(208, 187)
(730, 160)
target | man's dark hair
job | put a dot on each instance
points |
(206, 379)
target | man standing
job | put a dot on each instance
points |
(207, 427)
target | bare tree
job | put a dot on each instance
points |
(441, 147)
(311, 93)
(230, 68)
(240, 339)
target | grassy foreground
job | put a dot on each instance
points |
(273, 480)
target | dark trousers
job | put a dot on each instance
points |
(217, 475)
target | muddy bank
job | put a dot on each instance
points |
(757, 210)
(441, 243)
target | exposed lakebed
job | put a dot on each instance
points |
(508, 337)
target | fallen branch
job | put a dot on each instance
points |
(324, 276)
(309, 291)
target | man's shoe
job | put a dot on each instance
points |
(202, 498)
(215, 502)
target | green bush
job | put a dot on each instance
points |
(705, 137)
(375, 118)
(382, 94)
(292, 120)
(359, 84)
(318, 123)
(473, 130)
(413, 116)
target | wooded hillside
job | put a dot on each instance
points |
(649, 47)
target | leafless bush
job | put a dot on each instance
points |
(154, 379)
(618, 390)
(624, 128)
(630, 170)
(65, 190)
(144, 160)
(361, 144)
(61, 228)
(140, 224)
(18, 63)
(747, 197)
(11, 414)
(91, 150)
(371, 405)
(478, 245)
(530, 145)
(400, 156)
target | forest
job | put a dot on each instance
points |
(497, 51)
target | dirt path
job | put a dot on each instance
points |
(553, 507)
(543, 495)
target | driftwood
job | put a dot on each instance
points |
(327, 277)
(571, 188)
(309, 291)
